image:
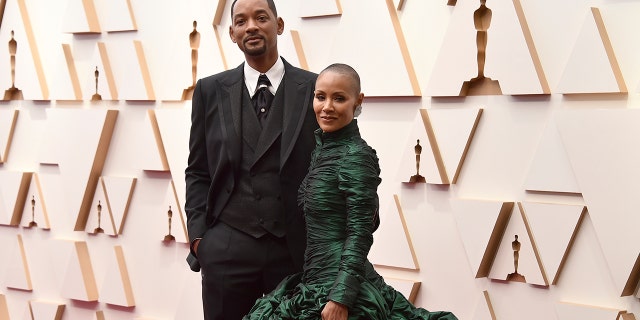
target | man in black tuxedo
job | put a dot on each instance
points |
(249, 149)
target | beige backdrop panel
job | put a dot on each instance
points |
(514, 146)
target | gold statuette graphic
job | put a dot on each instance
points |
(194, 42)
(481, 85)
(13, 93)
(515, 276)
(98, 229)
(417, 177)
(169, 237)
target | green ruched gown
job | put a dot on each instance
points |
(340, 202)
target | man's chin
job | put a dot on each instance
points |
(254, 52)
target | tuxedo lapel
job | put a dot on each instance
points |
(273, 125)
(297, 96)
(229, 102)
(251, 131)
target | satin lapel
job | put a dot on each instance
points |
(297, 98)
(250, 124)
(230, 99)
(273, 125)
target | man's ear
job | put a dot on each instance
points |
(280, 25)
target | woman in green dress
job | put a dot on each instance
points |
(340, 202)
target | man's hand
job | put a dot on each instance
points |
(334, 311)
(196, 242)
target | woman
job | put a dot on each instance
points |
(340, 202)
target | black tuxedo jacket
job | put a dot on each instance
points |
(215, 146)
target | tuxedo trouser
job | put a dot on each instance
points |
(237, 269)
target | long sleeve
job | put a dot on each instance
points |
(358, 179)
(197, 175)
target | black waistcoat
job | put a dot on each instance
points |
(255, 206)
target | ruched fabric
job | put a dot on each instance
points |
(340, 202)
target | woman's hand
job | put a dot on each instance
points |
(334, 311)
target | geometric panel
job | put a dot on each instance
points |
(297, 43)
(4, 308)
(389, 247)
(550, 169)
(116, 288)
(114, 195)
(626, 316)
(80, 153)
(118, 193)
(484, 308)
(592, 58)
(510, 57)
(98, 221)
(28, 66)
(408, 288)
(319, 8)
(599, 164)
(517, 258)
(416, 160)
(120, 16)
(183, 67)
(79, 282)
(189, 58)
(17, 275)
(7, 126)
(35, 212)
(73, 73)
(97, 76)
(187, 300)
(13, 194)
(532, 47)
(397, 63)
(554, 228)
(173, 128)
(571, 311)
(81, 17)
(481, 225)
(171, 223)
(66, 86)
(150, 134)
(46, 310)
(450, 132)
(132, 73)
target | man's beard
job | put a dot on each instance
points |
(257, 50)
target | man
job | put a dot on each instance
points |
(246, 162)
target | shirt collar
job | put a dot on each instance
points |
(275, 75)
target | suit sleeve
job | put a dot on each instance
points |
(197, 176)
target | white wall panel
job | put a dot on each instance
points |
(543, 151)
